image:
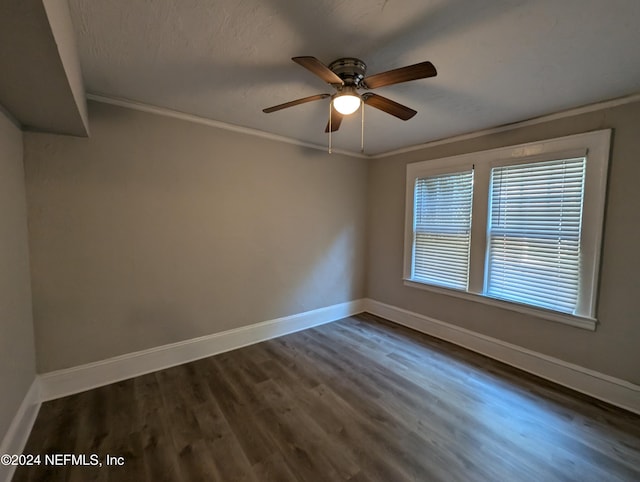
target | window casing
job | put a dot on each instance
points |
(541, 259)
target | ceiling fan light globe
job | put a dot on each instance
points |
(346, 104)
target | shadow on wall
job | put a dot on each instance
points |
(158, 321)
(330, 276)
(156, 230)
(327, 279)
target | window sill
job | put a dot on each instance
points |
(572, 320)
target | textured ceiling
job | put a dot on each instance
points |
(498, 61)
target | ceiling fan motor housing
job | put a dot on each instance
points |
(350, 70)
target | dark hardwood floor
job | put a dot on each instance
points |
(359, 399)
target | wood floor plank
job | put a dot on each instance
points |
(159, 455)
(274, 468)
(399, 399)
(322, 404)
(317, 403)
(249, 429)
(363, 421)
(284, 417)
(446, 420)
(360, 399)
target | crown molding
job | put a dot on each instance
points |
(606, 104)
(152, 109)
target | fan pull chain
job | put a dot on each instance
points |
(330, 128)
(362, 131)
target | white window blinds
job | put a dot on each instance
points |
(442, 229)
(534, 233)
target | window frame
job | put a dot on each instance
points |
(595, 146)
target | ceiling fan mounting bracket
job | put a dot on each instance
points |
(350, 70)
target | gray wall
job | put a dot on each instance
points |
(17, 359)
(613, 348)
(156, 230)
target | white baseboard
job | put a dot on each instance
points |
(20, 428)
(598, 385)
(65, 382)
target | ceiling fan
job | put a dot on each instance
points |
(347, 76)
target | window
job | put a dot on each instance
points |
(442, 229)
(533, 246)
(518, 226)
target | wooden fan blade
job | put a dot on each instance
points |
(422, 70)
(318, 68)
(387, 105)
(336, 120)
(304, 100)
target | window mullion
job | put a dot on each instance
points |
(481, 183)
